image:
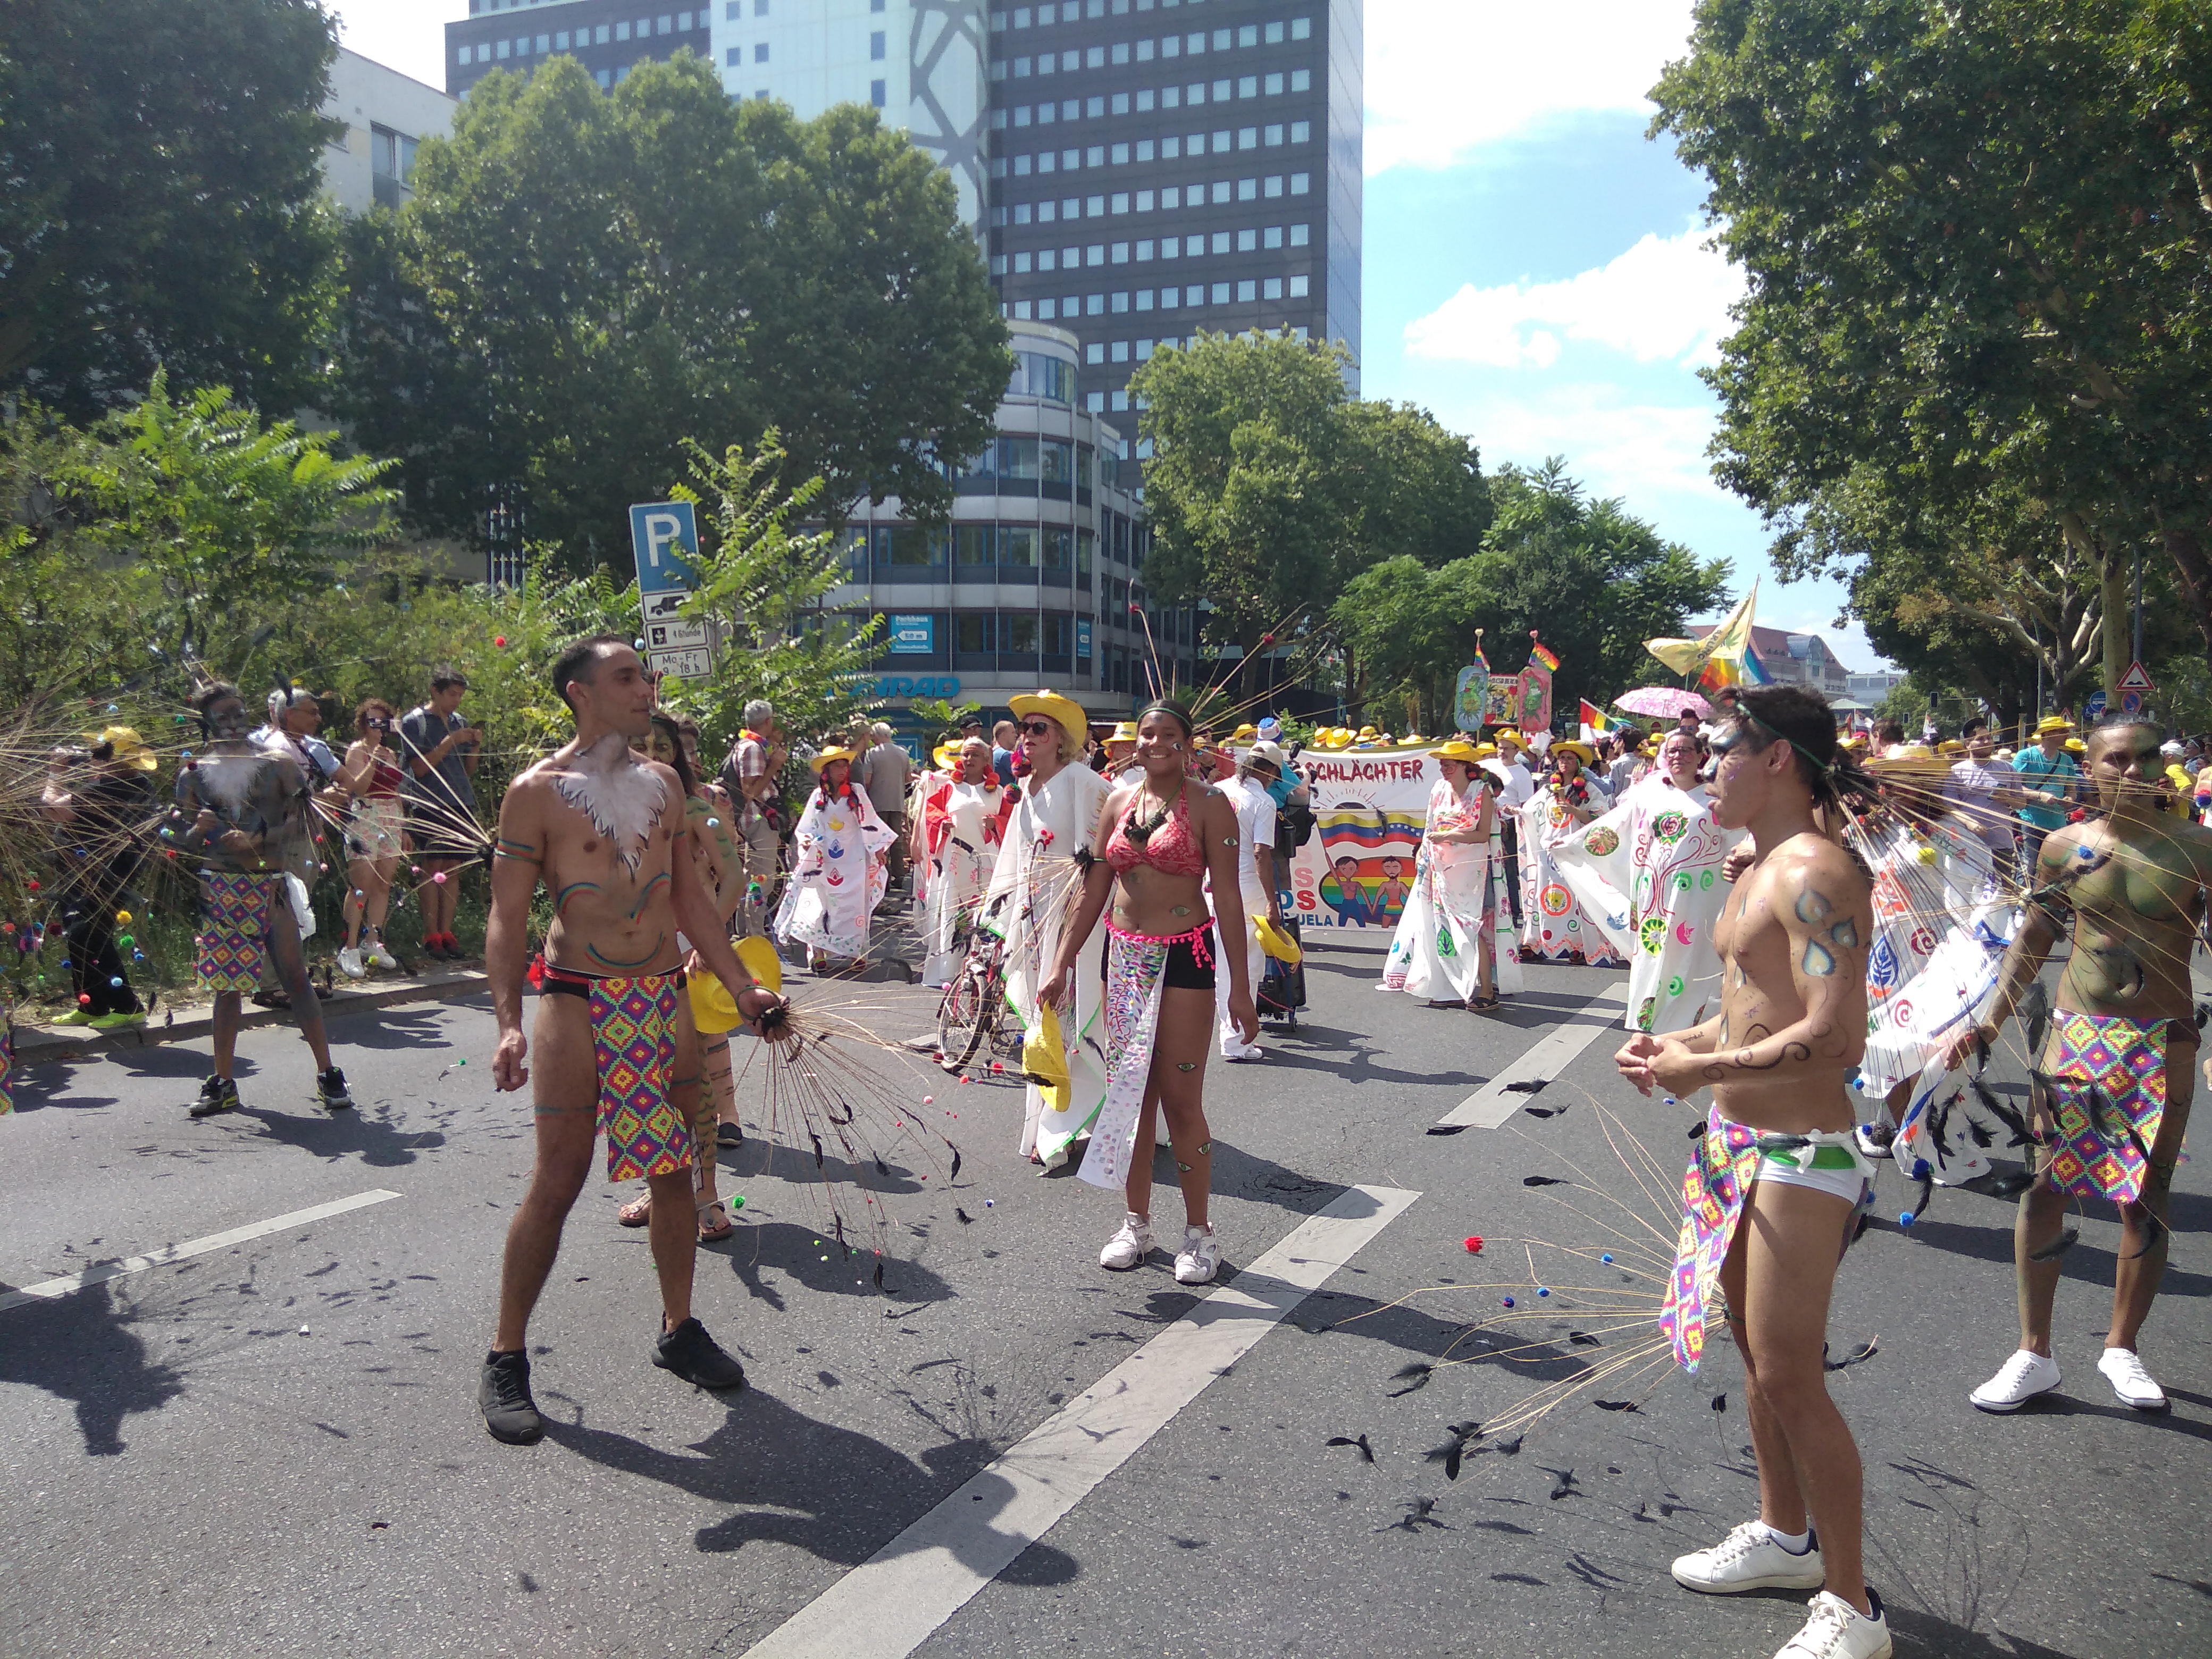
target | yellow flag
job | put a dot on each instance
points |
(1727, 643)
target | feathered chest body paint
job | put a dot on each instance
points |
(623, 800)
(233, 781)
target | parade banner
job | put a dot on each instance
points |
(1369, 807)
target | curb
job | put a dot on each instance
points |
(36, 1044)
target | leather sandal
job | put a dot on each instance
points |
(636, 1213)
(714, 1223)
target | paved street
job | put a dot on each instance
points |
(273, 1447)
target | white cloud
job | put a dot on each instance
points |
(1614, 442)
(1444, 76)
(1661, 300)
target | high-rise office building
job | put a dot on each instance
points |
(1158, 167)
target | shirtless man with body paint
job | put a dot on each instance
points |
(2133, 878)
(1793, 937)
(601, 826)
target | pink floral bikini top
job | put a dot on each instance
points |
(1172, 848)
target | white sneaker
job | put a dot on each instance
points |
(1748, 1558)
(350, 964)
(1200, 1259)
(2125, 1372)
(2024, 1375)
(1837, 1630)
(1234, 1055)
(378, 957)
(1128, 1247)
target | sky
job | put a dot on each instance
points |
(1535, 270)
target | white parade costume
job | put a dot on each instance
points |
(1554, 927)
(1648, 874)
(1458, 890)
(839, 880)
(1034, 893)
(1256, 828)
(960, 822)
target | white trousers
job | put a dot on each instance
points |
(1227, 930)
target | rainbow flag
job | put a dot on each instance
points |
(1539, 652)
(1594, 721)
(1745, 670)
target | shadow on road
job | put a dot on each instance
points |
(832, 1491)
(81, 1348)
(812, 1260)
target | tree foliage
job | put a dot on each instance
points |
(160, 197)
(1592, 578)
(1978, 243)
(582, 281)
(1270, 488)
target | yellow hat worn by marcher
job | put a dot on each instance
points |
(2051, 723)
(1575, 746)
(834, 752)
(1460, 750)
(1063, 712)
(129, 747)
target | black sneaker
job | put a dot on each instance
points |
(217, 1094)
(696, 1358)
(729, 1134)
(331, 1090)
(503, 1397)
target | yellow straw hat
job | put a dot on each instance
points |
(1506, 734)
(2051, 723)
(2077, 745)
(947, 756)
(129, 747)
(1575, 746)
(1460, 750)
(1063, 712)
(713, 1010)
(834, 752)
(1274, 941)
(1123, 731)
(1910, 760)
(1244, 733)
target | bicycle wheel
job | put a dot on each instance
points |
(962, 1020)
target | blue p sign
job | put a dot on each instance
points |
(665, 536)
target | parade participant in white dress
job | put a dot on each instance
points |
(1034, 894)
(1255, 792)
(1554, 927)
(1649, 873)
(1449, 947)
(840, 877)
(957, 829)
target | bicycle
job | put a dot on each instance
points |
(973, 1010)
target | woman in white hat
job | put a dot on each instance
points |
(840, 876)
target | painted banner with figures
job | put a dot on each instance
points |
(1369, 807)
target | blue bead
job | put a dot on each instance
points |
(1509, 1301)
(1607, 1258)
(1921, 1169)
(1905, 1218)
(117, 981)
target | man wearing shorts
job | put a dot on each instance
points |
(750, 776)
(242, 813)
(599, 825)
(440, 751)
(1778, 1182)
(2116, 1076)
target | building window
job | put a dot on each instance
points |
(1272, 288)
(1121, 347)
(1275, 86)
(1301, 79)
(1273, 136)
(760, 52)
(1094, 305)
(1274, 34)
(1122, 301)
(599, 35)
(1095, 108)
(1301, 131)
(1220, 294)
(605, 78)
(1121, 156)
(1301, 27)
(1120, 51)
(1172, 198)
(1274, 184)
(665, 25)
(465, 54)
(1220, 241)
(876, 95)
(1119, 253)
(734, 56)
(503, 49)
(621, 30)
(1144, 252)
(1247, 190)
(1249, 35)
(1301, 184)
(1018, 543)
(1221, 91)
(1247, 240)
(760, 8)
(1248, 138)
(875, 46)
(1095, 254)
(1095, 401)
(390, 163)
(1248, 86)
(1247, 291)
(1301, 234)
(1144, 299)
(1300, 287)
(1121, 201)
(1272, 237)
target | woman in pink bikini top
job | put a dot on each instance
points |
(1162, 832)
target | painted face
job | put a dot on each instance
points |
(1160, 741)
(655, 745)
(2124, 763)
(1455, 773)
(227, 718)
(1042, 738)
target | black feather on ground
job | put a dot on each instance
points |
(2011, 1184)
(1617, 1405)
(1583, 1339)
(966, 1220)
(1454, 1449)
(1864, 1352)
(1420, 1512)
(1545, 1180)
(1419, 1372)
(1720, 1402)
(1540, 1111)
(1447, 1128)
(1502, 1447)
(1535, 1086)
(1563, 1484)
(1366, 1451)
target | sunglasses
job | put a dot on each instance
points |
(1038, 728)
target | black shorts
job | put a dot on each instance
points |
(1184, 971)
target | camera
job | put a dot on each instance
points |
(379, 723)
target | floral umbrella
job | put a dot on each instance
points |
(1663, 701)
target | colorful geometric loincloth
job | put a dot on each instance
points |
(234, 936)
(1729, 1160)
(633, 1041)
(2108, 1076)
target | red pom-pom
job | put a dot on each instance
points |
(84, 999)
(32, 885)
(1475, 1244)
(500, 640)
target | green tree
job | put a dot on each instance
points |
(1975, 238)
(582, 281)
(160, 197)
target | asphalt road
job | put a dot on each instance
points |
(273, 1448)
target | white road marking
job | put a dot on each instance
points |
(1491, 1105)
(51, 1289)
(890, 1604)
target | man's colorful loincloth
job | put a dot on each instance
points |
(633, 1041)
(233, 937)
(1729, 1160)
(2108, 1094)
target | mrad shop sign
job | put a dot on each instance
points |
(664, 537)
(914, 636)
